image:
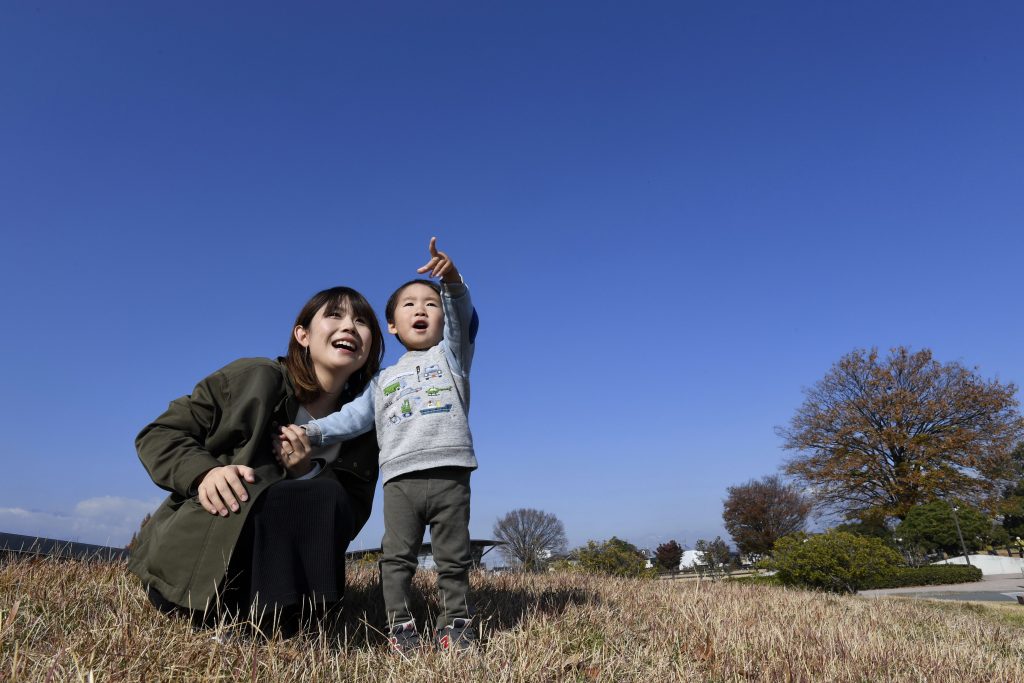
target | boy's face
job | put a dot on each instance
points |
(419, 318)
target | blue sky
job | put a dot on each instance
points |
(673, 216)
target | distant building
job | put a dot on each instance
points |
(16, 545)
(650, 557)
(691, 559)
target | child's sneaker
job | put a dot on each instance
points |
(459, 636)
(404, 638)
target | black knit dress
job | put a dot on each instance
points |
(287, 570)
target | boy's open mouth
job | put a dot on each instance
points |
(420, 325)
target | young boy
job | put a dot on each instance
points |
(420, 407)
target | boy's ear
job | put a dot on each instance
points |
(392, 329)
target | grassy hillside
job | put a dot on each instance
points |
(76, 621)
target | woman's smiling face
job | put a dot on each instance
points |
(338, 340)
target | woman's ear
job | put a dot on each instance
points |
(301, 335)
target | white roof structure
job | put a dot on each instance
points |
(990, 565)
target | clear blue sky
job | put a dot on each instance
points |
(673, 217)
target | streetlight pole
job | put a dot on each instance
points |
(959, 533)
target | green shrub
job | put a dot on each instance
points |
(835, 561)
(932, 526)
(614, 557)
(932, 575)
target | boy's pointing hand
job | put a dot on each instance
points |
(440, 265)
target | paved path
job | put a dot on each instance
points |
(997, 588)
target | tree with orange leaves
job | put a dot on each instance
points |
(877, 436)
(758, 513)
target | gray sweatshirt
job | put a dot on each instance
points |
(420, 405)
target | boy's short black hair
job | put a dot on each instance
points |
(389, 309)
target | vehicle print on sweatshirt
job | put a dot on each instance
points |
(432, 372)
(435, 407)
(405, 410)
(434, 391)
(396, 383)
(408, 390)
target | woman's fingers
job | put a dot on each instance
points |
(297, 439)
(204, 500)
(296, 450)
(222, 488)
(234, 478)
(209, 496)
(247, 473)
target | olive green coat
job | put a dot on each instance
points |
(230, 418)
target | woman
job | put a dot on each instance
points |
(238, 530)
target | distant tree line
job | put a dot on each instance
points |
(902, 450)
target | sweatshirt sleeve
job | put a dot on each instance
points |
(354, 418)
(460, 326)
(172, 447)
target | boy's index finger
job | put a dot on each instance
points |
(433, 246)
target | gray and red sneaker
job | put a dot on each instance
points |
(457, 636)
(404, 638)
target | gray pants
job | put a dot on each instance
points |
(438, 498)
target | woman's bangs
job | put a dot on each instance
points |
(343, 302)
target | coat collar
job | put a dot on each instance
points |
(288, 406)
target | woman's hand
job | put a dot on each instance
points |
(221, 488)
(292, 449)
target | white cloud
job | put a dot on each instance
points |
(106, 520)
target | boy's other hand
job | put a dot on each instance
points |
(440, 265)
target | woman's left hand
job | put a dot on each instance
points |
(292, 450)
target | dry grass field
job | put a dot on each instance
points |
(80, 621)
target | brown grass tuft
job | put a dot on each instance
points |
(87, 621)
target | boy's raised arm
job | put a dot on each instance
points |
(460, 325)
(460, 318)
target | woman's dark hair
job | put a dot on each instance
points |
(298, 362)
(389, 309)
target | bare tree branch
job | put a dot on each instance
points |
(531, 537)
